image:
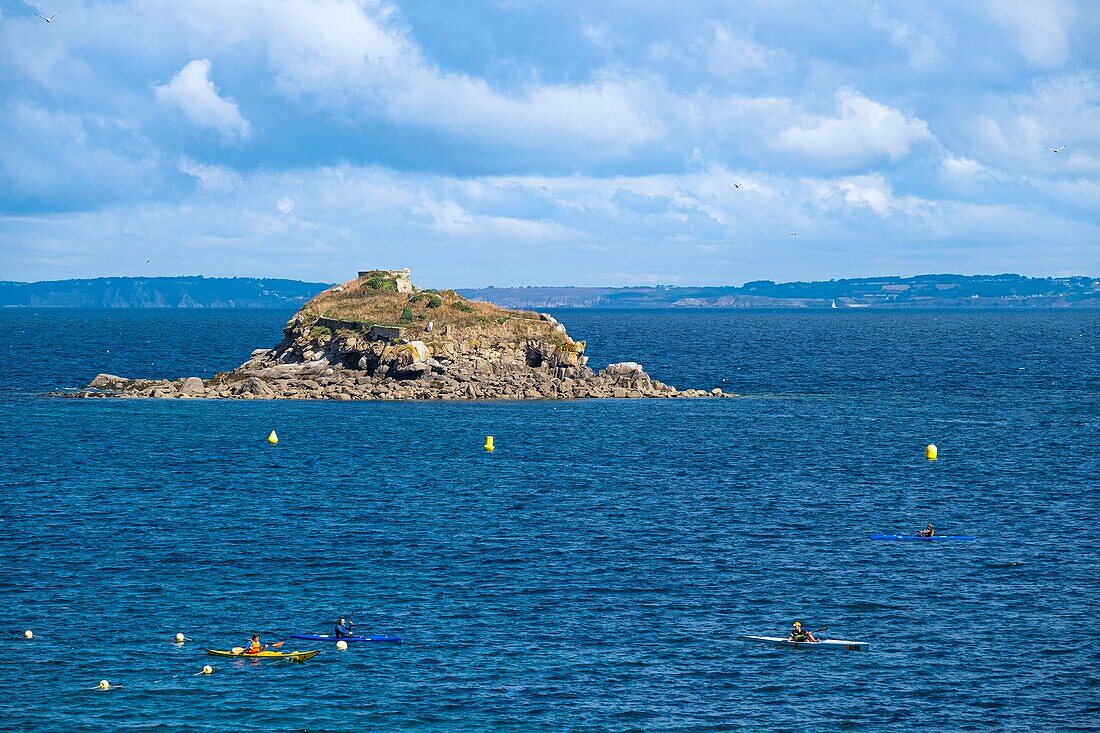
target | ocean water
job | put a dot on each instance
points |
(594, 573)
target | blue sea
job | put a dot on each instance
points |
(596, 571)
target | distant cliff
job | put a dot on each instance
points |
(159, 292)
(945, 291)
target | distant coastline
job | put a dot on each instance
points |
(927, 291)
(159, 292)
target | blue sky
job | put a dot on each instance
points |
(520, 142)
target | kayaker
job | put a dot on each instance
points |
(342, 630)
(798, 634)
(254, 646)
(928, 531)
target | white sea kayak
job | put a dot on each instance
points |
(848, 646)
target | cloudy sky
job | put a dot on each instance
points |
(533, 142)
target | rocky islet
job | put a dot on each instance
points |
(378, 337)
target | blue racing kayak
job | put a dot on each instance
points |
(334, 638)
(918, 538)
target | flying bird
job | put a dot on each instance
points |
(1057, 150)
(737, 185)
(50, 19)
(794, 234)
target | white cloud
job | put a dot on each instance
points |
(62, 156)
(921, 45)
(467, 230)
(868, 191)
(961, 168)
(598, 34)
(210, 177)
(1014, 132)
(862, 130)
(730, 54)
(684, 90)
(355, 60)
(1040, 27)
(196, 96)
(966, 176)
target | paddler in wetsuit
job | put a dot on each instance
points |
(342, 630)
(798, 634)
(254, 646)
(928, 531)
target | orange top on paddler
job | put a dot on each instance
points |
(254, 646)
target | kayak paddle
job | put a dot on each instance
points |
(240, 649)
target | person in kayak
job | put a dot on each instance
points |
(342, 630)
(254, 646)
(928, 531)
(800, 634)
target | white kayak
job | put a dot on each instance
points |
(848, 646)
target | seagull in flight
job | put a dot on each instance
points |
(1057, 150)
(793, 234)
(737, 185)
(50, 19)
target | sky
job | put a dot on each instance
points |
(526, 142)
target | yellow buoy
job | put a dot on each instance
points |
(179, 638)
(931, 452)
(273, 438)
(342, 645)
(489, 443)
(104, 685)
(28, 634)
(207, 669)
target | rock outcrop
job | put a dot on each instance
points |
(378, 337)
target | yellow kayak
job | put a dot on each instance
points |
(293, 656)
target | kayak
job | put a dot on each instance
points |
(918, 538)
(848, 646)
(292, 656)
(331, 637)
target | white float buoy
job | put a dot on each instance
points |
(342, 645)
(104, 685)
(207, 669)
(180, 638)
(28, 634)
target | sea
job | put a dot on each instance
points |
(597, 571)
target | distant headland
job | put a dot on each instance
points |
(927, 291)
(379, 337)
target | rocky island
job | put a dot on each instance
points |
(379, 337)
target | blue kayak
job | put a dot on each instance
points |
(918, 538)
(334, 638)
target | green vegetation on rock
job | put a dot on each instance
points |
(381, 280)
